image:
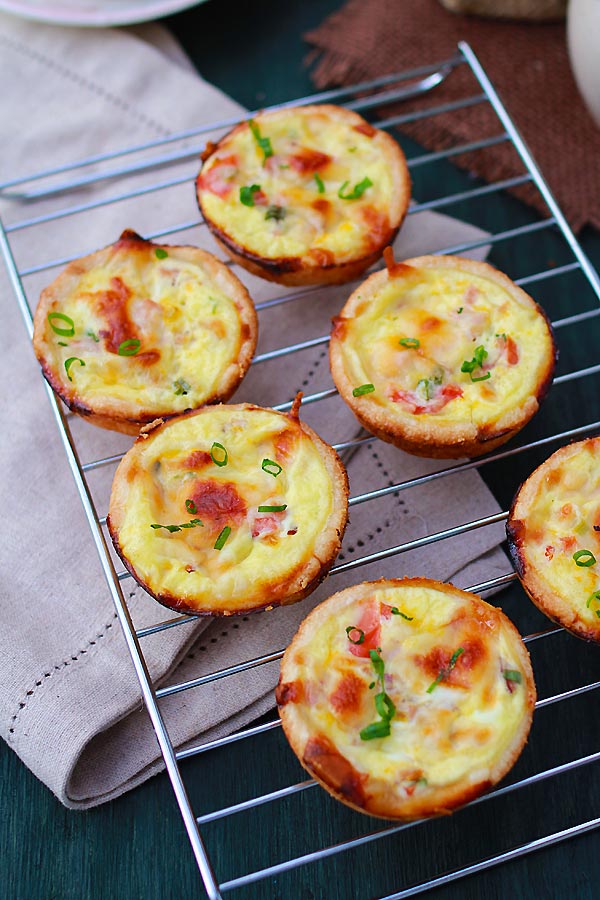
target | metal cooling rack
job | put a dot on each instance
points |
(99, 174)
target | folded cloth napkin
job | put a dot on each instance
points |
(69, 700)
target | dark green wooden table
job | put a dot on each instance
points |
(136, 847)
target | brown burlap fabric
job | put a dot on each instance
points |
(528, 65)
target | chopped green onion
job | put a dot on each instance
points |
(160, 253)
(377, 663)
(446, 670)
(412, 343)
(398, 612)
(501, 335)
(275, 212)
(363, 389)
(129, 347)
(460, 309)
(372, 685)
(220, 542)
(469, 365)
(584, 558)
(273, 508)
(594, 596)
(320, 185)
(379, 729)
(173, 528)
(247, 194)
(191, 506)
(64, 332)
(93, 336)
(181, 386)
(273, 468)
(219, 454)
(385, 706)
(62, 343)
(357, 191)
(482, 377)
(512, 675)
(263, 142)
(69, 362)
(361, 634)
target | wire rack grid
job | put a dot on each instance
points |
(104, 170)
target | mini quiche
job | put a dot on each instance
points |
(139, 330)
(229, 509)
(406, 698)
(442, 356)
(554, 537)
(309, 195)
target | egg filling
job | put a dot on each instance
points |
(417, 692)
(138, 330)
(554, 532)
(305, 181)
(225, 510)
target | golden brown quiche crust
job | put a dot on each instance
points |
(315, 265)
(219, 503)
(531, 528)
(423, 434)
(123, 310)
(386, 777)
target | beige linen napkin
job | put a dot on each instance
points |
(69, 700)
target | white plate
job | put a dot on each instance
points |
(97, 13)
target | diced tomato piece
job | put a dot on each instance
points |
(307, 160)
(568, 542)
(370, 624)
(218, 179)
(265, 525)
(260, 198)
(512, 352)
(418, 406)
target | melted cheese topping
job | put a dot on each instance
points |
(188, 326)
(312, 217)
(265, 551)
(452, 733)
(415, 333)
(562, 519)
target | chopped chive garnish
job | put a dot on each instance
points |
(247, 194)
(181, 386)
(352, 629)
(592, 597)
(93, 336)
(273, 468)
(172, 528)
(219, 454)
(363, 389)
(357, 191)
(446, 670)
(412, 343)
(160, 253)
(482, 377)
(460, 309)
(275, 212)
(501, 335)
(272, 508)
(379, 729)
(64, 332)
(69, 362)
(469, 365)
(263, 142)
(584, 558)
(512, 675)
(191, 506)
(383, 702)
(398, 612)
(129, 347)
(320, 185)
(62, 343)
(220, 541)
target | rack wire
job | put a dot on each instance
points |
(104, 171)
